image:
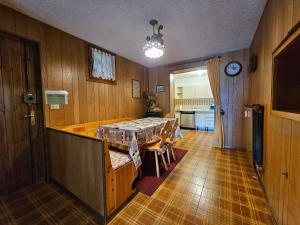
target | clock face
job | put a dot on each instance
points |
(233, 68)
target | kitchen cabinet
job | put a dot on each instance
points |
(200, 120)
(179, 92)
(292, 207)
(187, 119)
(205, 120)
(189, 92)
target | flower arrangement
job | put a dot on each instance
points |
(151, 102)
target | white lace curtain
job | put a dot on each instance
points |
(103, 65)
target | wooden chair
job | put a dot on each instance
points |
(160, 147)
(168, 115)
(171, 140)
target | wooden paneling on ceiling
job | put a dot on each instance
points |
(281, 136)
(234, 92)
(64, 66)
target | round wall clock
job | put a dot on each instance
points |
(233, 68)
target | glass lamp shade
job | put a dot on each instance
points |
(154, 46)
(154, 52)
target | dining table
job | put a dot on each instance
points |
(133, 134)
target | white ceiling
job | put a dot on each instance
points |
(192, 28)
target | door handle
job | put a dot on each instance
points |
(285, 174)
(28, 116)
(31, 116)
(222, 112)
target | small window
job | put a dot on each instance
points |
(102, 65)
(286, 75)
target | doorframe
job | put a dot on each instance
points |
(172, 95)
(39, 87)
(172, 86)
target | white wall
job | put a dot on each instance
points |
(195, 84)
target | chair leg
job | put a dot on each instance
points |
(173, 153)
(156, 164)
(168, 156)
(164, 161)
(140, 172)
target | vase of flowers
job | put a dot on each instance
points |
(152, 102)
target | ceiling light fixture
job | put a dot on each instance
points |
(154, 46)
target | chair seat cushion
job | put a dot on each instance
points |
(152, 147)
(170, 142)
(118, 159)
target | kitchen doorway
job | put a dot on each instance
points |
(191, 99)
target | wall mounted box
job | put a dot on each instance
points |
(56, 97)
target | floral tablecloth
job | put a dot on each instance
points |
(131, 135)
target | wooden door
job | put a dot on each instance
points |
(284, 161)
(34, 85)
(21, 142)
(293, 195)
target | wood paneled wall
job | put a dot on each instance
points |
(234, 92)
(64, 66)
(281, 136)
(234, 95)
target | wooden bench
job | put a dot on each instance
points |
(120, 171)
(119, 179)
(90, 128)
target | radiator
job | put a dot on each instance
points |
(258, 129)
(253, 133)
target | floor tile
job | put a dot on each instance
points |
(209, 186)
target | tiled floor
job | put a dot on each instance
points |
(209, 186)
(43, 204)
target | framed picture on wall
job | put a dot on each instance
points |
(160, 88)
(102, 65)
(136, 89)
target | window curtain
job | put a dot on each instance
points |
(103, 65)
(213, 70)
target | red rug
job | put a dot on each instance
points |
(149, 182)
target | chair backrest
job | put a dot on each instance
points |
(164, 133)
(168, 115)
(174, 128)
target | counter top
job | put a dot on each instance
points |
(195, 110)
